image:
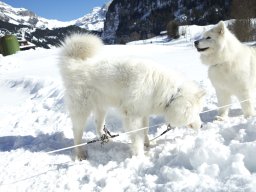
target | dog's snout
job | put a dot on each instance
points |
(196, 43)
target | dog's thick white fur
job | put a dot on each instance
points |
(136, 87)
(232, 68)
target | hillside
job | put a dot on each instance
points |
(141, 19)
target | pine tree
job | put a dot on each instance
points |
(243, 11)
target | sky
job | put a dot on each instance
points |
(62, 10)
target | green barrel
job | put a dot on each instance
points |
(1, 49)
(9, 45)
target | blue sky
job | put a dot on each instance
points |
(63, 10)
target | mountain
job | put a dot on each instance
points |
(93, 21)
(45, 32)
(141, 19)
(21, 16)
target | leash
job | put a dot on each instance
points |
(103, 140)
(169, 128)
(228, 105)
(107, 136)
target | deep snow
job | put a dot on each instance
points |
(33, 121)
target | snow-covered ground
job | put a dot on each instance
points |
(33, 121)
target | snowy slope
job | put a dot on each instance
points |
(33, 121)
(93, 21)
(17, 16)
(23, 16)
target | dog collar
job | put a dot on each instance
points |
(173, 97)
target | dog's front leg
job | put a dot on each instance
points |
(224, 100)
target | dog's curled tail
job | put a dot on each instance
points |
(81, 46)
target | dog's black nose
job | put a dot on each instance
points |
(201, 126)
(196, 43)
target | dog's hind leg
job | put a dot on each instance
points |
(247, 104)
(131, 124)
(78, 121)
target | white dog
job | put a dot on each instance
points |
(136, 87)
(232, 68)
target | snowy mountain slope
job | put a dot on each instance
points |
(33, 121)
(20, 16)
(93, 21)
(23, 16)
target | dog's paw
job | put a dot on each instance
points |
(220, 118)
(81, 156)
(150, 144)
(249, 116)
(147, 144)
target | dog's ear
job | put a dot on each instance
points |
(221, 28)
(201, 94)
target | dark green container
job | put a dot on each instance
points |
(1, 49)
(9, 45)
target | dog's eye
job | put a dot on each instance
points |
(208, 37)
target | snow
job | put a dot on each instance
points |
(34, 121)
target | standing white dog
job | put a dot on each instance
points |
(232, 68)
(136, 87)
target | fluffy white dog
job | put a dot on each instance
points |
(136, 87)
(232, 68)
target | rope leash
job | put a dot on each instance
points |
(103, 139)
(107, 135)
(169, 128)
(229, 105)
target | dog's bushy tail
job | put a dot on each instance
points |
(81, 46)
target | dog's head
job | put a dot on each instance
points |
(212, 40)
(184, 109)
